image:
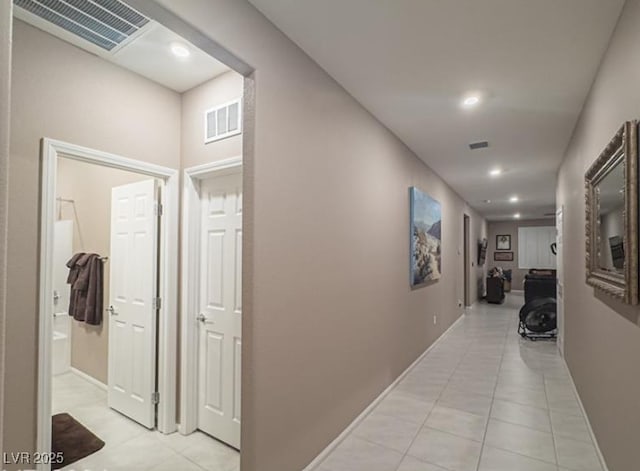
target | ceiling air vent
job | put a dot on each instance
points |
(104, 23)
(478, 145)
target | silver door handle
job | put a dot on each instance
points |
(203, 319)
(56, 297)
(111, 310)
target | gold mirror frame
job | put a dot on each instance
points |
(623, 287)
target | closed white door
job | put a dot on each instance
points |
(220, 314)
(131, 312)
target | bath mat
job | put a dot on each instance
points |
(72, 439)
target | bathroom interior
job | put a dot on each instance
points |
(82, 226)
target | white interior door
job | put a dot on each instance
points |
(220, 311)
(132, 313)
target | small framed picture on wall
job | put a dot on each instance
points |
(503, 242)
(503, 256)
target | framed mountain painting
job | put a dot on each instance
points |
(426, 238)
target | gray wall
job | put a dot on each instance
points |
(327, 247)
(5, 79)
(602, 342)
(511, 228)
(61, 92)
(220, 90)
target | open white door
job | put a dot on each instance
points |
(220, 314)
(132, 311)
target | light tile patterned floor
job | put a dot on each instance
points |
(130, 446)
(483, 399)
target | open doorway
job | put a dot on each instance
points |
(107, 338)
(106, 346)
(466, 261)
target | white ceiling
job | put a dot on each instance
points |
(147, 53)
(150, 56)
(410, 62)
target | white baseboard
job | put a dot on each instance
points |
(334, 444)
(586, 418)
(90, 379)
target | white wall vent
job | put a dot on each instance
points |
(104, 23)
(223, 121)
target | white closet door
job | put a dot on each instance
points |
(220, 314)
(132, 320)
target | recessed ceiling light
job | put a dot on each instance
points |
(516, 215)
(470, 101)
(495, 172)
(514, 199)
(487, 201)
(180, 50)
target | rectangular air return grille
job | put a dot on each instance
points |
(223, 121)
(104, 23)
(478, 145)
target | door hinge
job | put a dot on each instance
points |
(159, 209)
(157, 303)
(155, 397)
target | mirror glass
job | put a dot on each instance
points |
(610, 191)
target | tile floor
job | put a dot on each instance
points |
(129, 446)
(482, 400)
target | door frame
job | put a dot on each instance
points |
(51, 151)
(190, 275)
(560, 276)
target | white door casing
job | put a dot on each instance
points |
(132, 313)
(220, 314)
(560, 276)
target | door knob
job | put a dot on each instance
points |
(111, 310)
(56, 297)
(203, 319)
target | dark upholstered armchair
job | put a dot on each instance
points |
(539, 284)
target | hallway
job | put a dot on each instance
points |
(482, 399)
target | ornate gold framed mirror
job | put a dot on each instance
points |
(611, 197)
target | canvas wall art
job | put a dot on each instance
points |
(426, 238)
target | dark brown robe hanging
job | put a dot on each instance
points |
(86, 280)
